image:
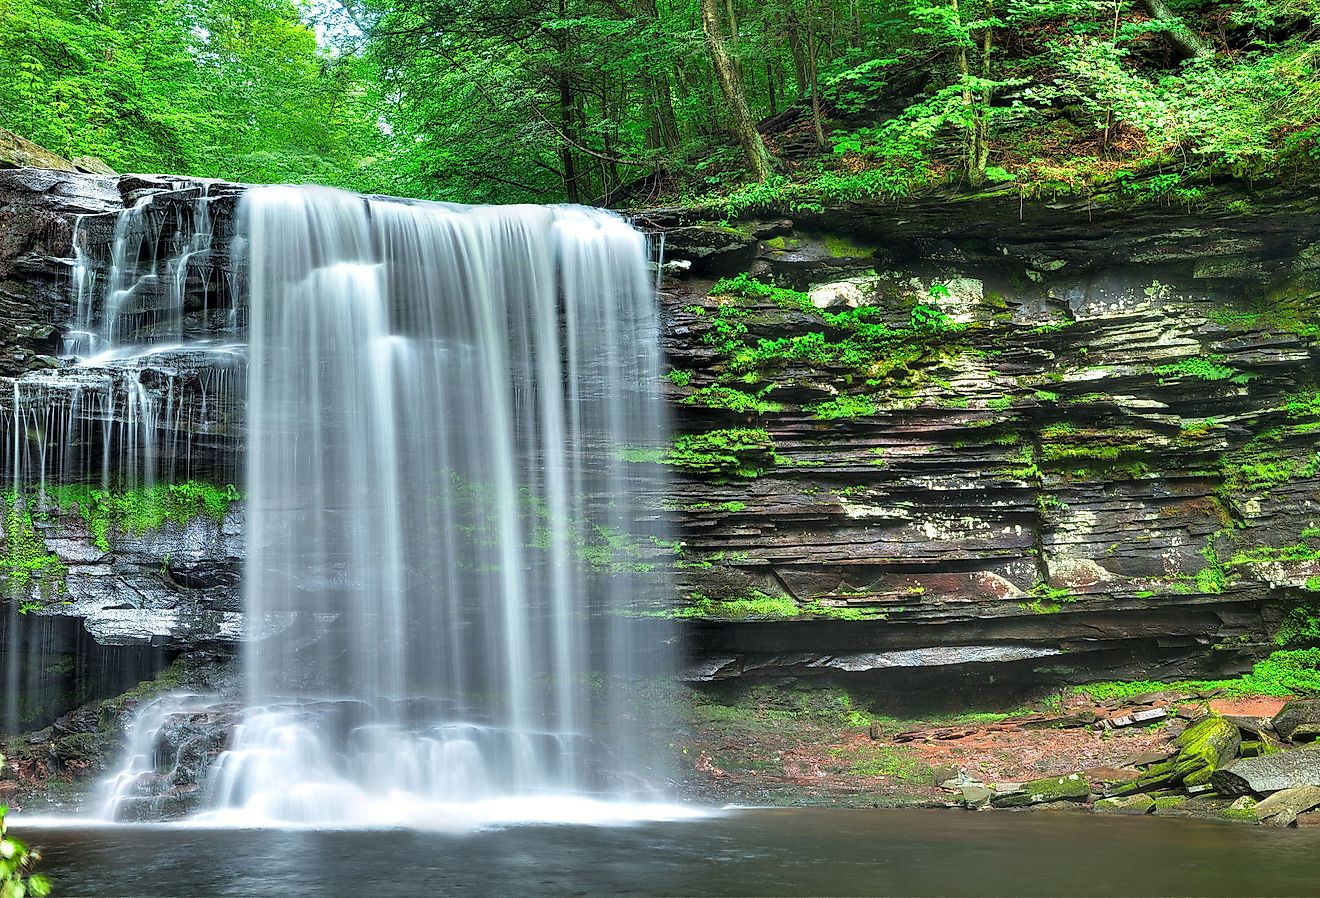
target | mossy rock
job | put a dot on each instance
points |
(1073, 787)
(1126, 804)
(1203, 748)
(78, 749)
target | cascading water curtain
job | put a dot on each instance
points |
(446, 548)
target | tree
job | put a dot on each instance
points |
(1188, 42)
(731, 85)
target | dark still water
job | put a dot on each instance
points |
(763, 852)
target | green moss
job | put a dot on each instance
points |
(1288, 672)
(1300, 625)
(843, 248)
(1046, 599)
(843, 407)
(1069, 448)
(834, 612)
(1207, 368)
(755, 605)
(1292, 308)
(1212, 578)
(759, 605)
(142, 509)
(873, 759)
(1055, 452)
(1264, 462)
(1024, 463)
(748, 287)
(26, 557)
(680, 378)
(1302, 405)
(733, 400)
(1265, 554)
(742, 452)
(857, 340)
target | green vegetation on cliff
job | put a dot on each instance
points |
(144, 508)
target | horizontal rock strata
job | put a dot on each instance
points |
(988, 440)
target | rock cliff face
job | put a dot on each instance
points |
(1008, 441)
(970, 441)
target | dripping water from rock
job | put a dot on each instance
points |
(144, 394)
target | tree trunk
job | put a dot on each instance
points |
(758, 159)
(968, 100)
(795, 49)
(566, 120)
(657, 84)
(981, 140)
(735, 39)
(1186, 41)
(813, 43)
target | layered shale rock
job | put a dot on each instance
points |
(957, 443)
(1040, 441)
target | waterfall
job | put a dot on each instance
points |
(149, 366)
(447, 553)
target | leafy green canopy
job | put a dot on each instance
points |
(617, 101)
(216, 88)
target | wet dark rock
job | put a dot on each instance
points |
(187, 744)
(84, 745)
(712, 249)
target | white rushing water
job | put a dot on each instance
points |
(148, 367)
(444, 542)
(446, 554)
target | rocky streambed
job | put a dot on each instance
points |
(1174, 753)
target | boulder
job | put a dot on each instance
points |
(19, 152)
(1299, 721)
(1206, 747)
(92, 165)
(1073, 787)
(1269, 773)
(712, 249)
(975, 795)
(1284, 807)
(1125, 804)
(1203, 748)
